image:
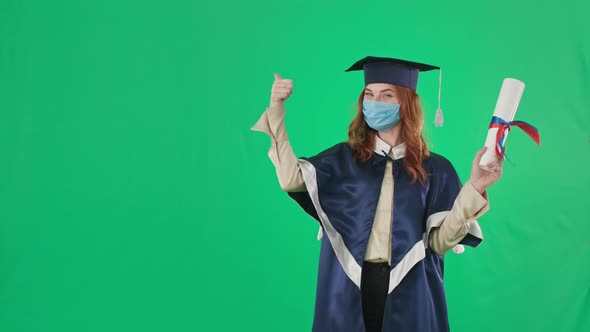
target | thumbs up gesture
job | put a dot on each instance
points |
(281, 90)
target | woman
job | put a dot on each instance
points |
(390, 208)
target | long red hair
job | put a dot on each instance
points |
(362, 138)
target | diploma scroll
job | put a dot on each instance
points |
(506, 107)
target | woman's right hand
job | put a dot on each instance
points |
(281, 90)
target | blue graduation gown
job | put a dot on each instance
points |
(342, 195)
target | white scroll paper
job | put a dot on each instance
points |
(506, 106)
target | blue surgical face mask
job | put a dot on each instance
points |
(380, 116)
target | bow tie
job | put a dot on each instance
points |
(380, 160)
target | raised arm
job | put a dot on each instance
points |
(281, 153)
(471, 203)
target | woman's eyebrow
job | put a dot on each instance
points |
(388, 89)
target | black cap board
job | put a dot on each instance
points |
(389, 70)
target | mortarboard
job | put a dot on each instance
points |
(398, 72)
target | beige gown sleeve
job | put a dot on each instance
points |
(272, 122)
(469, 204)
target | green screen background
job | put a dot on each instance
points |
(134, 197)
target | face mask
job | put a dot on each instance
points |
(380, 116)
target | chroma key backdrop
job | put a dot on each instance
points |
(135, 197)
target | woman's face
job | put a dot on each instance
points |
(382, 92)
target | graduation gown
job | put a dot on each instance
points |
(342, 196)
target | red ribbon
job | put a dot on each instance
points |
(504, 128)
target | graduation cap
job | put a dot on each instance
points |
(398, 72)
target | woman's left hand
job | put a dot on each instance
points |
(481, 178)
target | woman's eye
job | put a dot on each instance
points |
(389, 96)
(368, 94)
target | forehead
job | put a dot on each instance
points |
(376, 87)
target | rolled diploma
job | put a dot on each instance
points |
(506, 106)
